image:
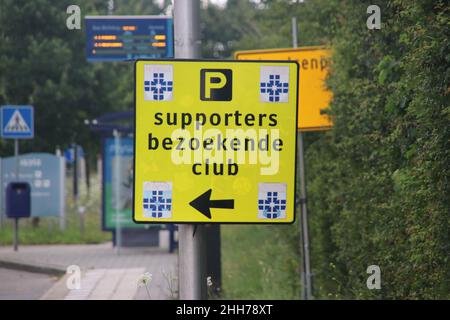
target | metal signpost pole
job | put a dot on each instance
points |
(1, 195)
(306, 270)
(191, 256)
(116, 187)
(16, 220)
(62, 175)
(75, 187)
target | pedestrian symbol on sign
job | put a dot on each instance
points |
(16, 124)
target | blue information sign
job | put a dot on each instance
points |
(17, 122)
(69, 154)
(45, 174)
(118, 202)
(119, 38)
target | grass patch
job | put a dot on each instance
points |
(48, 231)
(260, 262)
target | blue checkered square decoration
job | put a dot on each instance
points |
(272, 201)
(158, 86)
(274, 84)
(274, 87)
(158, 82)
(157, 203)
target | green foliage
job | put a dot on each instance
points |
(222, 28)
(43, 63)
(260, 262)
(380, 192)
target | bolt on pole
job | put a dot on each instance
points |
(304, 233)
(191, 238)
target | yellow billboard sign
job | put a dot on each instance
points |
(313, 94)
(215, 141)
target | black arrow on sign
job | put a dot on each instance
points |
(203, 203)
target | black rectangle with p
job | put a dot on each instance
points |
(216, 84)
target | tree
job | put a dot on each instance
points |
(43, 63)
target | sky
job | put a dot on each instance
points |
(217, 2)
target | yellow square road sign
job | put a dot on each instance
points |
(313, 94)
(215, 141)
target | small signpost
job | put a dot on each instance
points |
(215, 141)
(117, 183)
(17, 122)
(45, 174)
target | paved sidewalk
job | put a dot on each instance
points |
(22, 285)
(104, 274)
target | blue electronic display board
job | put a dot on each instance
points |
(120, 38)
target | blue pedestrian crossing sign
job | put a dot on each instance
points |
(17, 122)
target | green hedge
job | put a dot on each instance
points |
(378, 183)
